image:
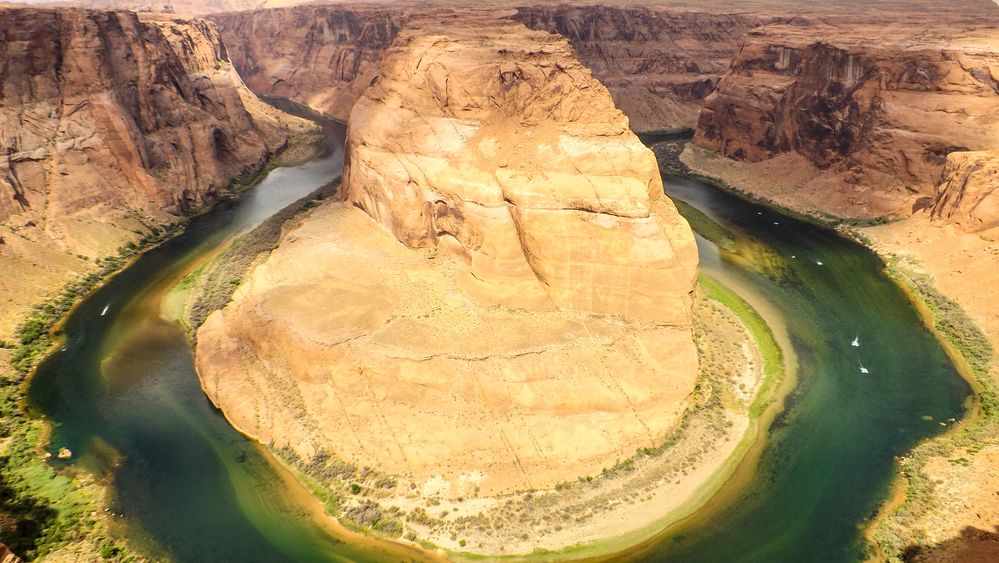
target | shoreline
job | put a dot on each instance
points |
(45, 320)
(900, 491)
(748, 444)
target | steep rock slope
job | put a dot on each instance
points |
(658, 63)
(517, 156)
(111, 125)
(477, 149)
(324, 56)
(969, 194)
(877, 107)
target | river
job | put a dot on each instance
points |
(123, 396)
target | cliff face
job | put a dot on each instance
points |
(658, 64)
(324, 56)
(969, 193)
(518, 157)
(109, 125)
(503, 167)
(878, 108)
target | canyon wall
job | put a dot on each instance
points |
(658, 63)
(112, 124)
(323, 56)
(535, 323)
(877, 106)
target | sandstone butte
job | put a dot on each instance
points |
(503, 300)
(112, 124)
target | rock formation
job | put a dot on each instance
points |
(878, 107)
(658, 63)
(323, 56)
(469, 358)
(515, 163)
(111, 124)
(969, 194)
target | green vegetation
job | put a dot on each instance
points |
(895, 532)
(773, 359)
(706, 226)
(43, 507)
(334, 481)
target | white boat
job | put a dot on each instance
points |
(863, 369)
(105, 311)
(819, 262)
(856, 342)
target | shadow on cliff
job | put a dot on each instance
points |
(972, 546)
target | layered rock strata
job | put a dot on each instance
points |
(111, 124)
(969, 193)
(534, 324)
(323, 56)
(878, 109)
(658, 63)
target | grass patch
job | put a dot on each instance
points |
(770, 352)
(706, 226)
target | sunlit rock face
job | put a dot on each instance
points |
(969, 193)
(502, 301)
(500, 145)
(112, 124)
(878, 105)
(658, 62)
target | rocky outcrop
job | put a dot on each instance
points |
(658, 63)
(324, 56)
(878, 107)
(969, 194)
(469, 359)
(112, 124)
(517, 158)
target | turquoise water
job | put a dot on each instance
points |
(829, 460)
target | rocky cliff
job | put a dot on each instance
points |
(658, 63)
(324, 56)
(534, 326)
(878, 107)
(969, 193)
(112, 124)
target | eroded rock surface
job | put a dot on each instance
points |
(658, 62)
(324, 56)
(111, 124)
(877, 107)
(969, 193)
(516, 156)
(503, 167)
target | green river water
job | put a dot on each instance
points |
(123, 396)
